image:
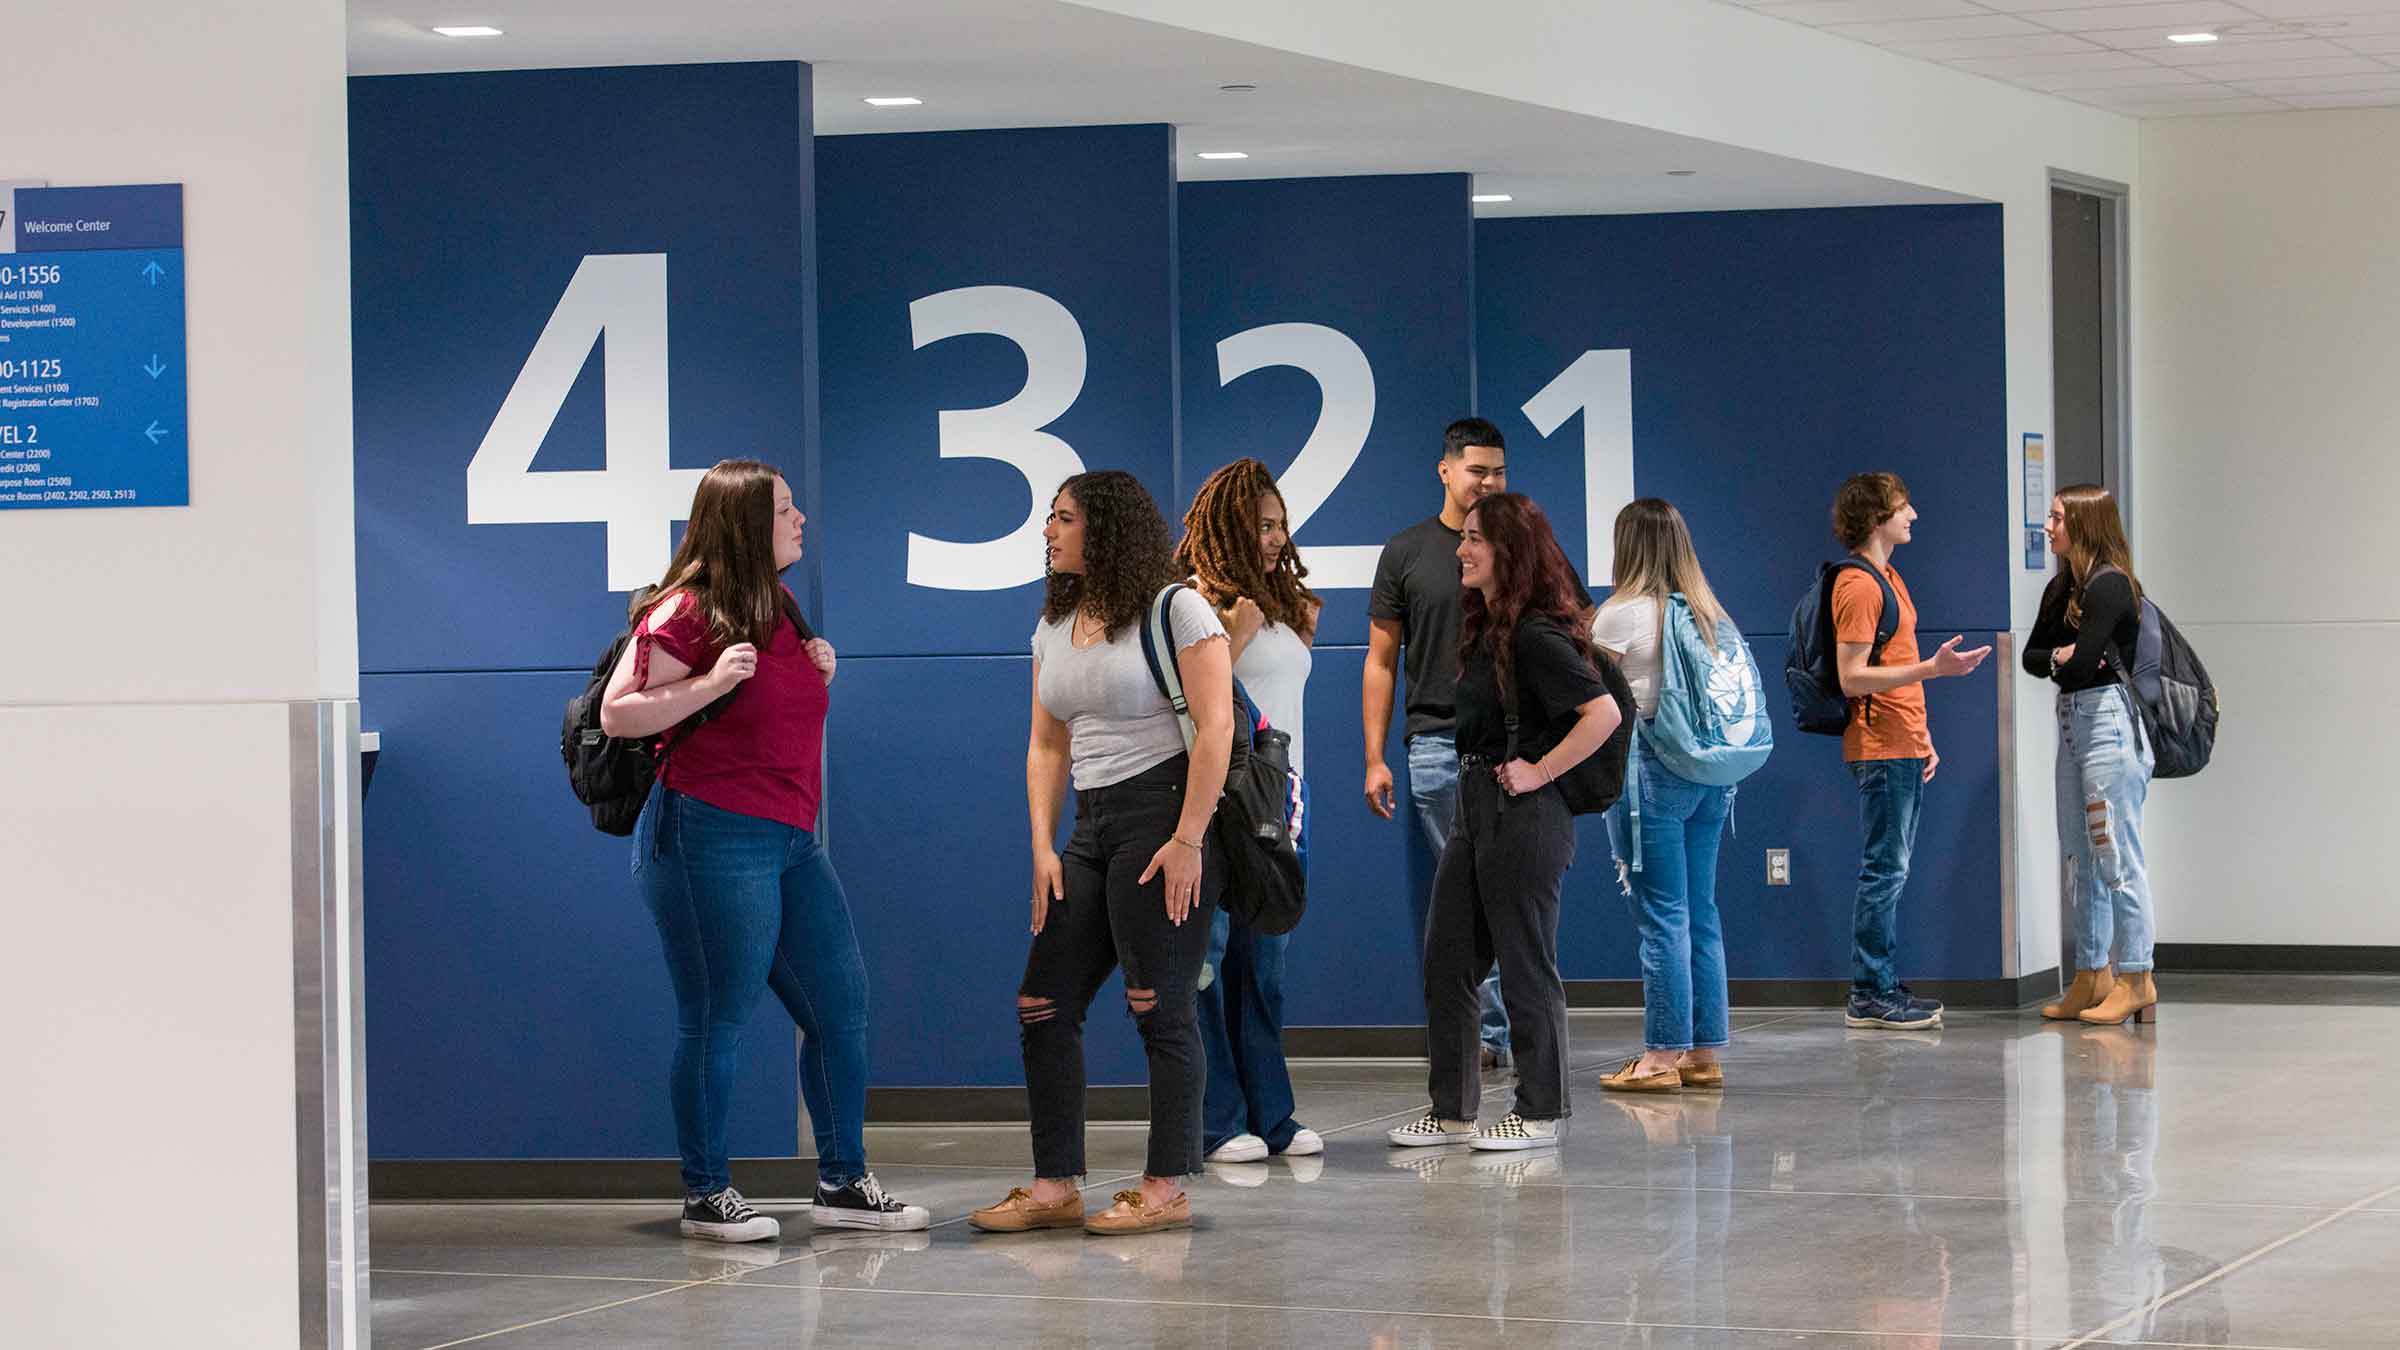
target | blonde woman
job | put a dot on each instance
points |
(1674, 893)
(2091, 612)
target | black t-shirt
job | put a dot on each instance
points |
(1553, 679)
(2109, 616)
(1416, 583)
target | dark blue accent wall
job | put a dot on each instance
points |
(516, 1003)
(517, 1006)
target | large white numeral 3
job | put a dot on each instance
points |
(1010, 432)
(637, 496)
(1348, 412)
(1599, 384)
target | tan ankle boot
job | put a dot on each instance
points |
(2135, 998)
(2088, 988)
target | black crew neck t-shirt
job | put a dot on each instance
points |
(1416, 585)
(2110, 616)
(1553, 679)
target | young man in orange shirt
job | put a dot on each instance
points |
(1887, 744)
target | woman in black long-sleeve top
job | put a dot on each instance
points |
(2090, 619)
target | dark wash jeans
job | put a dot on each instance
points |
(1241, 1028)
(1109, 919)
(744, 904)
(1495, 898)
(1891, 797)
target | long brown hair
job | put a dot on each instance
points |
(1221, 548)
(1533, 580)
(2095, 539)
(1128, 557)
(1655, 559)
(727, 560)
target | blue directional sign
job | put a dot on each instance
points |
(91, 349)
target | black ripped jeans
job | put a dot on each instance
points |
(1107, 920)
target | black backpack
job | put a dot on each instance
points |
(1811, 666)
(1265, 887)
(2178, 703)
(613, 774)
(1595, 783)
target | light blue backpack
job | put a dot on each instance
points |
(1712, 725)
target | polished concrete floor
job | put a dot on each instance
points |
(2228, 1177)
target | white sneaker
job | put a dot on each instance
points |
(1429, 1130)
(1240, 1148)
(1513, 1131)
(1306, 1143)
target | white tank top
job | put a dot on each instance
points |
(1274, 668)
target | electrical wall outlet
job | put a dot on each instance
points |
(1779, 867)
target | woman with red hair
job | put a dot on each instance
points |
(1525, 655)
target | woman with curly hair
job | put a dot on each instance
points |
(1138, 881)
(1525, 653)
(1238, 552)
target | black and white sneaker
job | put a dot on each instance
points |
(862, 1203)
(726, 1217)
(1429, 1130)
(1513, 1131)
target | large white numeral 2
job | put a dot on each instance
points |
(637, 496)
(1599, 385)
(1348, 412)
(1010, 432)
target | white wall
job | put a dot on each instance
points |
(1714, 71)
(2267, 432)
(148, 795)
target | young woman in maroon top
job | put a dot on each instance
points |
(726, 853)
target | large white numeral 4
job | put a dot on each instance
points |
(1010, 432)
(637, 496)
(1599, 385)
(1347, 413)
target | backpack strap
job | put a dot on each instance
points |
(1158, 648)
(1887, 621)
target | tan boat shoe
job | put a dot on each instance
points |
(1626, 1080)
(1133, 1214)
(1019, 1213)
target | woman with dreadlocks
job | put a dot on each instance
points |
(1238, 551)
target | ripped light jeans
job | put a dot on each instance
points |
(2104, 765)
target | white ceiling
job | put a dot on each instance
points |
(2270, 54)
(1020, 63)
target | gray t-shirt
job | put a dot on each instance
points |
(1118, 723)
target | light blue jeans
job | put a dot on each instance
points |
(1433, 786)
(2104, 766)
(1674, 902)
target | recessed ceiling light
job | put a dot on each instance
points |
(896, 101)
(1682, 173)
(1237, 88)
(1491, 197)
(2191, 37)
(1224, 154)
(474, 30)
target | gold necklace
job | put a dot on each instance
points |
(1099, 633)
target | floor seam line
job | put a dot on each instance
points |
(2125, 1320)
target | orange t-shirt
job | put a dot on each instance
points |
(1894, 725)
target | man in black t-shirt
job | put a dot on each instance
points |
(1413, 618)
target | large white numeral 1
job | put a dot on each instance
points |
(1347, 413)
(639, 498)
(1010, 432)
(1600, 385)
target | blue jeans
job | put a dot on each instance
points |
(1891, 796)
(1433, 786)
(1241, 1028)
(1674, 902)
(2103, 779)
(743, 905)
